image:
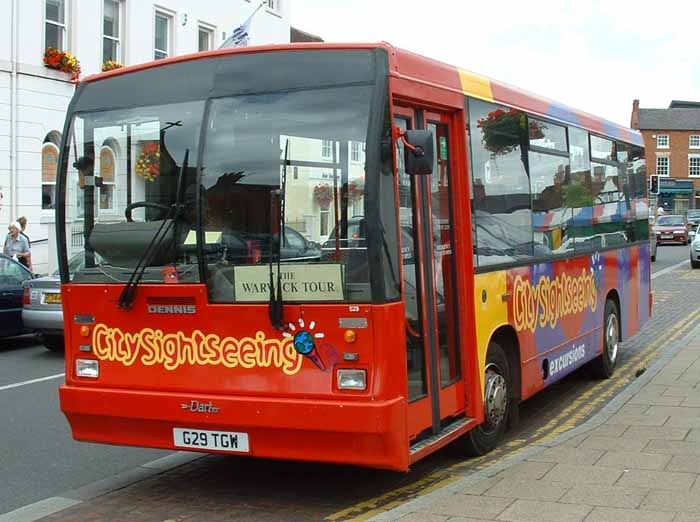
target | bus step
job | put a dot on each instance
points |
(448, 430)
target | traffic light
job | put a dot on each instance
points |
(653, 184)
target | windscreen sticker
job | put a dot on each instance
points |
(300, 282)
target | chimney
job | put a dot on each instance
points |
(634, 121)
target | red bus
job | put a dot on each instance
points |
(339, 253)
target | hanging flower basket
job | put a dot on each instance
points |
(148, 163)
(323, 194)
(62, 61)
(356, 189)
(110, 65)
(502, 130)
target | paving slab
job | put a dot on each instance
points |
(633, 460)
(612, 496)
(601, 514)
(539, 511)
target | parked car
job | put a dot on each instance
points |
(693, 217)
(695, 250)
(12, 276)
(43, 309)
(671, 229)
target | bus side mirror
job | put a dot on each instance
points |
(419, 155)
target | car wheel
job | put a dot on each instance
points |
(604, 364)
(653, 258)
(497, 404)
(55, 343)
(694, 264)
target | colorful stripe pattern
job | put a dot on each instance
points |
(490, 90)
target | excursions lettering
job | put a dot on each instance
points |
(552, 299)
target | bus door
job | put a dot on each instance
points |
(435, 382)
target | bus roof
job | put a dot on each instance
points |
(405, 64)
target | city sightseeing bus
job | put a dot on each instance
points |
(336, 253)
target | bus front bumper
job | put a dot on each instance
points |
(366, 433)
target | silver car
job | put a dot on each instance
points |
(42, 311)
(695, 250)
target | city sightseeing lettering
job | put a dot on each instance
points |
(552, 299)
(152, 347)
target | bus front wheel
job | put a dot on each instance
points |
(497, 404)
(604, 365)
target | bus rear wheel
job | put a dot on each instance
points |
(497, 405)
(604, 365)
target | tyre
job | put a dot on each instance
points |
(694, 264)
(604, 365)
(497, 404)
(54, 343)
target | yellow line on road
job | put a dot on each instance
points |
(564, 421)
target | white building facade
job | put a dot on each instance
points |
(34, 98)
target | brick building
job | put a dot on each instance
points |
(672, 142)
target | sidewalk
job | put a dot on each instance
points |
(638, 460)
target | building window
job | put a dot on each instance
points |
(108, 166)
(327, 149)
(49, 167)
(111, 42)
(55, 24)
(662, 141)
(324, 220)
(273, 5)
(205, 39)
(695, 141)
(161, 46)
(355, 151)
(663, 166)
(694, 165)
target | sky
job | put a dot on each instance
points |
(596, 56)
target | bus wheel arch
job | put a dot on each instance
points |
(604, 364)
(501, 392)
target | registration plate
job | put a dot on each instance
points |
(666, 236)
(212, 440)
(52, 298)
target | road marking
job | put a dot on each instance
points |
(669, 268)
(32, 381)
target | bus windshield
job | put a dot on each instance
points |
(217, 179)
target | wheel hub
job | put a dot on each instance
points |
(495, 397)
(612, 338)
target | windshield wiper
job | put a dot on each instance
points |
(277, 201)
(126, 299)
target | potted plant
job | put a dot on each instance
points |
(62, 61)
(503, 130)
(110, 65)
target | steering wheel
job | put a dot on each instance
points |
(142, 204)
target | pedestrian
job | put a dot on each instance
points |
(17, 246)
(23, 223)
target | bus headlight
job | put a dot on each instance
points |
(87, 368)
(352, 379)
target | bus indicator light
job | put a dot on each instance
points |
(350, 336)
(84, 330)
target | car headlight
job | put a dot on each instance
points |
(696, 246)
(680, 231)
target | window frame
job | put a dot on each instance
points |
(62, 26)
(329, 149)
(658, 141)
(120, 32)
(203, 27)
(168, 17)
(113, 209)
(273, 6)
(690, 141)
(668, 166)
(44, 145)
(690, 166)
